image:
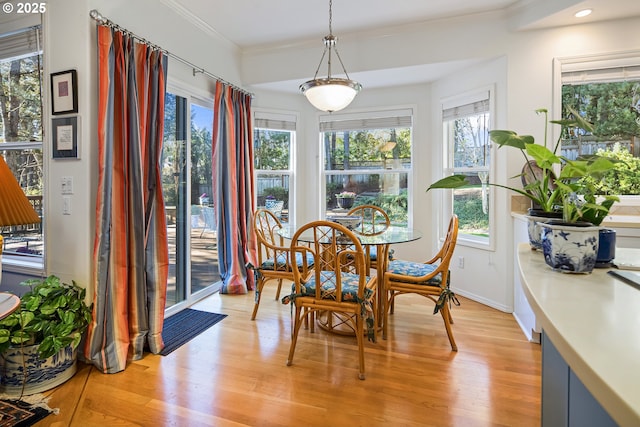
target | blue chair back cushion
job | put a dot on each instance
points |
(415, 269)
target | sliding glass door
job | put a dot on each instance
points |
(191, 224)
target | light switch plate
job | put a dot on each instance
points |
(66, 205)
(66, 183)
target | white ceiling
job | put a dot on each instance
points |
(255, 24)
(250, 23)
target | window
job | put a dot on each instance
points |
(606, 92)
(21, 132)
(466, 124)
(274, 136)
(186, 186)
(368, 154)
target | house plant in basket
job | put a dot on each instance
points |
(38, 342)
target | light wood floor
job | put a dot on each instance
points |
(235, 374)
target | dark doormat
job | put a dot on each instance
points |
(184, 326)
(16, 413)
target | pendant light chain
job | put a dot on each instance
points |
(330, 17)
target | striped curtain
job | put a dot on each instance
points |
(233, 187)
(131, 260)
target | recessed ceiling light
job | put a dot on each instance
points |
(583, 13)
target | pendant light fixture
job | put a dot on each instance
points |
(330, 94)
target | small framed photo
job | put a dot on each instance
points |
(65, 138)
(64, 92)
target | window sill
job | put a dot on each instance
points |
(14, 264)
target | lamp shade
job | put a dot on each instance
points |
(332, 94)
(15, 208)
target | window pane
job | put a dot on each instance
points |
(614, 110)
(271, 149)
(21, 133)
(367, 149)
(21, 106)
(386, 190)
(471, 144)
(191, 227)
(357, 155)
(272, 160)
(468, 147)
(204, 238)
(471, 204)
(26, 165)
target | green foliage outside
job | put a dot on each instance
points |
(174, 152)
(614, 110)
(396, 206)
(624, 179)
(344, 150)
(271, 149)
(468, 207)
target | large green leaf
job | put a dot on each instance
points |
(453, 181)
(510, 139)
(544, 157)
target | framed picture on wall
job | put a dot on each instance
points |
(64, 92)
(65, 138)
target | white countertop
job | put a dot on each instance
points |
(594, 322)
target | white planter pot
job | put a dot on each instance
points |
(42, 374)
(570, 248)
(534, 218)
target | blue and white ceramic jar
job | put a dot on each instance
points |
(570, 248)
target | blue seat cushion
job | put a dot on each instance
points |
(373, 253)
(415, 269)
(281, 259)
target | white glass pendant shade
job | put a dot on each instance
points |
(332, 94)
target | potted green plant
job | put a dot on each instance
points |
(548, 193)
(573, 244)
(346, 199)
(38, 342)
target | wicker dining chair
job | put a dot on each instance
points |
(274, 257)
(337, 283)
(429, 279)
(374, 221)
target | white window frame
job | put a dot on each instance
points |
(20, 31)
(374, 119)
(280, 121)
(468, 98)
(601, 67)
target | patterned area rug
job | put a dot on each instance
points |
(17, 413)
(184, 326)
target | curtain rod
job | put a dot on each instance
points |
(104, 21)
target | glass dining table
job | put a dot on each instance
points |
(381, 241)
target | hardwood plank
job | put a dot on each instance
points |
(235, 374)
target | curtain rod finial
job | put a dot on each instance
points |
(97, 16)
